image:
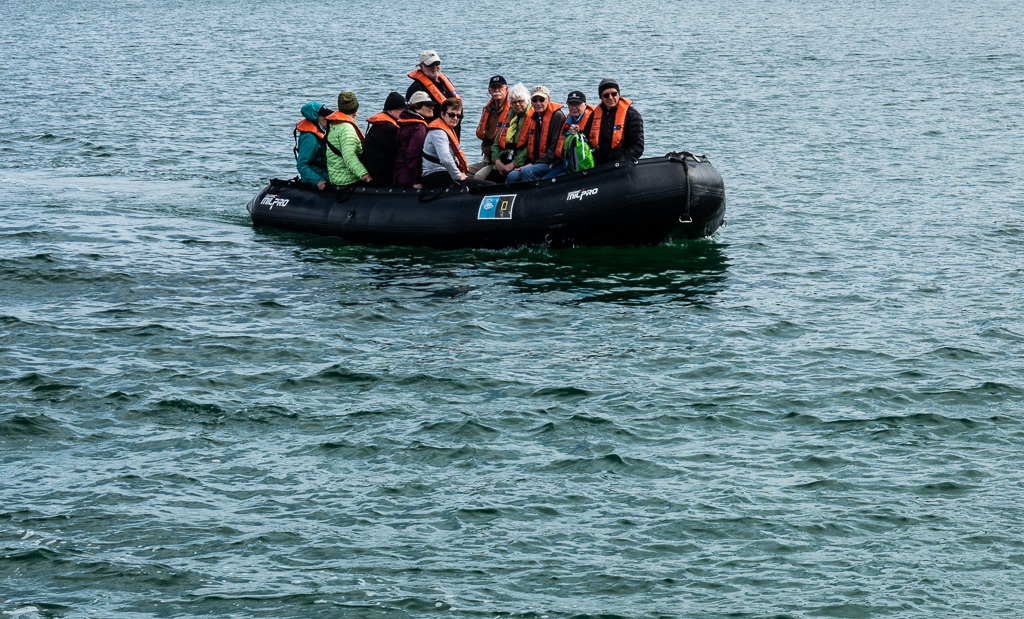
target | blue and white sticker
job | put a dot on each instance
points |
(496, 207)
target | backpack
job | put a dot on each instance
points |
(577, 154)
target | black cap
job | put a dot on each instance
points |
(497, 80)
(606, 84)
(576, 97)
(394, 101)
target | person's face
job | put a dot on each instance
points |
(451, 117)
(610, 98)
(518, 105)
(432, 70)
(575, 108)
(540, 103)
(498, 93)
(426, 110)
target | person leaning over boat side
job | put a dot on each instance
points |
(504, 152)
(494, 110)
(539, 136)
(427, 77)
(443, 160)
(412, 130)
(310, 152)
(615, 129)
(380, 148)
(575, 120)
(345, 143)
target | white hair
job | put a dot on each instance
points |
(518, 92)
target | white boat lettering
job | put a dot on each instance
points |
(272, 200)
(579, 194)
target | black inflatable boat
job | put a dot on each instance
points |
(636, 203)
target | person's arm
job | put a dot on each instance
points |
(633, 141)
(306, 162)
(444, 152)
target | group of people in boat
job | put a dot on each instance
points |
(415, 140)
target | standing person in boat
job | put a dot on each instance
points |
(444, 162)
(345, 143)
(539, 136)
(310, 152)
(380, 148)
(494, 113)
(427, 77)
(615, 129)
(412, 130)
(504, 153)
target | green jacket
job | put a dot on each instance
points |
(515, 123)
(346, 169)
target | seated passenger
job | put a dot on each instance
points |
(443, 160)
(345, 143)
(494, 110)
(412, 130)
(579, 114)
(310, 152)
(504, 153)
(539, 136)
(381, 144)
(615, 129)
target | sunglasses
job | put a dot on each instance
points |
(609, 94)
(539, 99)
(455, 116)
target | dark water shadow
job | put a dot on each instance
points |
(690, 272)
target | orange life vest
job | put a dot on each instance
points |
(432, 89)
(485, 117)
(620, 122)
(340, 117)
(501, 129)
(584, 117)
(304, 126)
(453, 141)
(380, 118)
(527, 135)
(405, 122)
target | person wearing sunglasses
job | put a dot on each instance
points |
(615, 128)
(444, 163)
(427, 77)
(539, 136)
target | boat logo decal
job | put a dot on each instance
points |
(496, 207)
(579, 194)
(271, 200)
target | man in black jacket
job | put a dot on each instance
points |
(380, 147)
(615, 128)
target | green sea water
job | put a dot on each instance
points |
(815, 413)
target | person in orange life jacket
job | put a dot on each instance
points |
(504, 152)
(427, 77)
(575, 120)
(539, 136)
(310, 152)
(412, 130)
(345, 143)
(615, 129)
(487, 128)
(380, 148)
(443, 160)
